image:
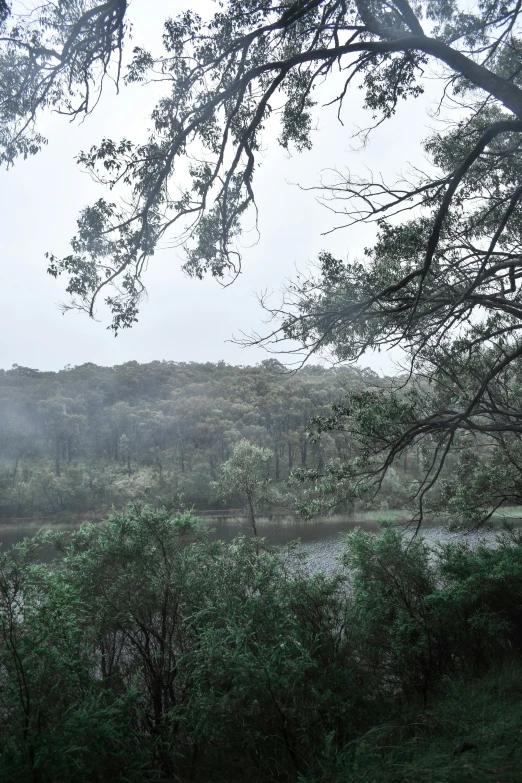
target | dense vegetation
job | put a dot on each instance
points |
(148, 652)
(440, 277)
(88, 437)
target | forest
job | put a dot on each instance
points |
(136, 645)
(88, 438)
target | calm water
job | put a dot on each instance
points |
(321, 540)
(277, 531)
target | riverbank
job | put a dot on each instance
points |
(280, 515)
(321, 540)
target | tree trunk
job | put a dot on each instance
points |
(58, 463)
(15, 470)
(252, 515)
(304, 450)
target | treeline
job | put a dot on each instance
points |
(89, 437)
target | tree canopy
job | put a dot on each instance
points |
(55, 55)
(244, 477)
(442, 279)
(88, 438)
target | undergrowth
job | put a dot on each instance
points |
(148, 652)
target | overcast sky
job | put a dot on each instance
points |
(182, 319)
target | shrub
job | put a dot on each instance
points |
(147, 650)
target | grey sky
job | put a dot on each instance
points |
(182, 319)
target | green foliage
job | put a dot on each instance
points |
(53, 56)
(483, 480)
(143, 632)
(226, 70)
(89, 438)
(433, 612)
(442, 279)
(391, 584)
(470, 731)
(148, 651)
(54, 708)
(243, 478)
(272, 664)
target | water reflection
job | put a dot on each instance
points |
(277, 531)
(321, 539)
(281, 531)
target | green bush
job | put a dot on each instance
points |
(169, 651)
(420, 613)
(147, 651)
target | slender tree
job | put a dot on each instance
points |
(243, 478)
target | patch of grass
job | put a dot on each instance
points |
(470, 731)
(384, 515)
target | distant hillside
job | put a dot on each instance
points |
(88, 437)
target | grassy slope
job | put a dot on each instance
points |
(470, 731)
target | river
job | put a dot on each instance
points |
(322, 540)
